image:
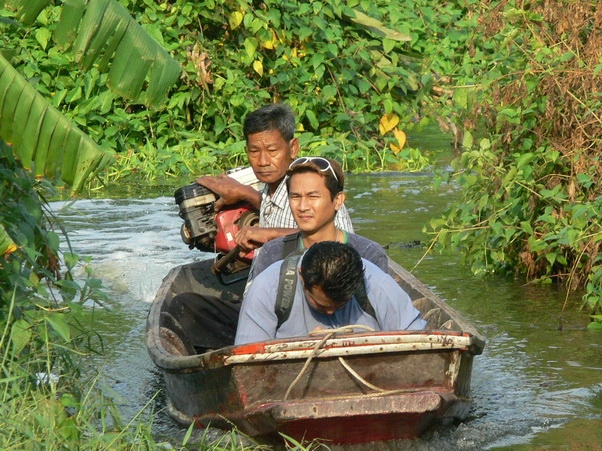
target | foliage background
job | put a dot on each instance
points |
(355, 92)
(531, 166)
(517, 83)
(341, 78)
(49, 397)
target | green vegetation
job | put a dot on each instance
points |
(356, 85)
(516, 82)
(531, 167)
(43, 139)
(48, 399)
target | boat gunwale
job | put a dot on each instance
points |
(347, 345)
(302, 348)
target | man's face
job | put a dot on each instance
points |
(319, 301)
(310, 202)
(270, 155)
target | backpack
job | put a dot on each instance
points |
(287, 283)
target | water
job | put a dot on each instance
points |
(537, 385)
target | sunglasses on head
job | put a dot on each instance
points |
(322, 163)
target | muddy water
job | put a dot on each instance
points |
(537, 385)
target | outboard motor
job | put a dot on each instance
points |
(210, 232)
(196, 209)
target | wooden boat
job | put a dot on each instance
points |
(351, 388)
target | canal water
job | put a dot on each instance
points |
(538, 384)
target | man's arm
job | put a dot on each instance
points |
(253, 237)
(230, 191)
(258, 320)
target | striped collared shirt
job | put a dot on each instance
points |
(275, 211)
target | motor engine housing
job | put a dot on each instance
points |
(202, 228)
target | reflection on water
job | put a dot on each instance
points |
(538, 381)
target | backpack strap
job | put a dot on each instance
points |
(362, 298)
(286, 288)
(291, 244)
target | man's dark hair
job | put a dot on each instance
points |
(334, 186)
(334, 267)
(275, 116)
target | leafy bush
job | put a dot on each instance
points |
(346, 67)
(531, 162)
(45, 398)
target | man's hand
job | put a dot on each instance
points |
(229, 191)
(249, 237)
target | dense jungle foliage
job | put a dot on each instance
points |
(530, 166)
(517, 84)
(356, 85)
(48, 400)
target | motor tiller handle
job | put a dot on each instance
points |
(220, 265)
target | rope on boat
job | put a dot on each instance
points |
(346, 396)
(329, 333)
(358, 377)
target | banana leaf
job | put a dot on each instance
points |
(102, 32)
(45, 141)
(28, 10)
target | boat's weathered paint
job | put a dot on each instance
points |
(356, 388)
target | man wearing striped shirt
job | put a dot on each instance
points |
(271, 148)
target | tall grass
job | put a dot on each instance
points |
(44, 406)
(42, 410)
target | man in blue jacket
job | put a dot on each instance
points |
(332, 275)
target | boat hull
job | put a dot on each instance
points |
(348, 389)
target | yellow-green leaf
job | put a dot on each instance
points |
(58, 322)
(250, 46)
(7, 245)
(103, 32)
(20, 335)
(388, 122)
(467, 141)
(235, 19)
(400, 136)
(258, 67)
(43, 35)
(41, 136)
(28, 10)
(313, 120)
(375, 26)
